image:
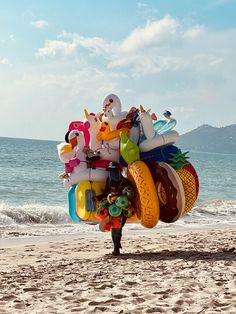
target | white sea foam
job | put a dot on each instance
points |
(32, 214)
(40, 219)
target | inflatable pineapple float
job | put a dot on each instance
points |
(188, 176)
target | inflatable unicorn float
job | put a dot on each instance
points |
(113, 146)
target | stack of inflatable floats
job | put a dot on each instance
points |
(124, 164)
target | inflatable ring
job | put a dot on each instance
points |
(71, 202)
(114, 210)
(146, 201)
(159, 140)
(84, 193)
(172, 199)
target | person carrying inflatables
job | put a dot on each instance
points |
(115, 207)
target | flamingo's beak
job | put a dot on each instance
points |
(100, 117)
(73, 142)
(142, 109)
(86, 113)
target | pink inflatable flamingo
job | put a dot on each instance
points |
(82, 127)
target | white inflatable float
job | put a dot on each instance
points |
(153, 139)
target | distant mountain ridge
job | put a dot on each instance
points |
(207, 138)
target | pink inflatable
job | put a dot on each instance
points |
(82, 127)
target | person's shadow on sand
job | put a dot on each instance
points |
(190, 255)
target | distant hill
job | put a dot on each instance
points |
(207, 138)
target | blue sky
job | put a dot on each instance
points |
(58, 57)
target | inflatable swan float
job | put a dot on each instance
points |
(153, 139)
(162, 126)
(112, 110)
(106, 152)
(113, 114)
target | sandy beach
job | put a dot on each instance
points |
(163, 272)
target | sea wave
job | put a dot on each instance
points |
(215, 208)
(34, 213)
(30, 220)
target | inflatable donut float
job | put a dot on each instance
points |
(146, 201)
(170, 191)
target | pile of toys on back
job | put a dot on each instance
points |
(124, 163)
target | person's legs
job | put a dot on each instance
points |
(116, 234)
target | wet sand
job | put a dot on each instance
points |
(163, 272)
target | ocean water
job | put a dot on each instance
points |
(33, 201)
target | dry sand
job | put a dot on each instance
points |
(184, 272)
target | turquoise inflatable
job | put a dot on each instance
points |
(163, 126)
(72, 207)
(71, 201)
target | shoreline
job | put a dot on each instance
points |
(139, 231)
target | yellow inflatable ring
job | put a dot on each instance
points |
(84, 192)
(146, 202)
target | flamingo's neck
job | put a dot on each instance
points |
(94, 143)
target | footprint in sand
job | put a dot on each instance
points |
(155, 310)
(19, 306)
(69, 298)
(31, 289)
(8, 297)
(119, 296)
(131, 283)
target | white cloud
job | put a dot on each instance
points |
(163, 64)
(54, 47)
(4, 61)
(163, 45)
(146, 11)
(152, 48)
(59, 97)
(39, 24)
(142, 5)
(216, 61)
(194, 31)
(153, 33)
(95, 45)
(12, 37)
